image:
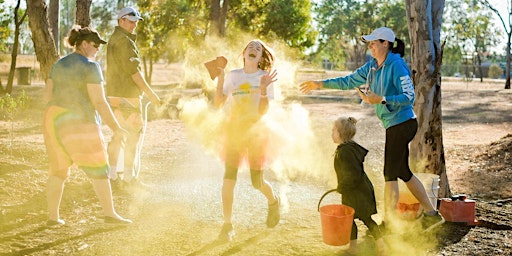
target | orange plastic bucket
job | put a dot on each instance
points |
(336, 222)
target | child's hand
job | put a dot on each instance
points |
(221, 72)
(267, 79)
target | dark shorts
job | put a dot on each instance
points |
(396, 151)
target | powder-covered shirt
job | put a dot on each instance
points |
(392, 80)
(123, 61)
(70, 76)
(243, 95)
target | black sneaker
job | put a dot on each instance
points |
(227, 233)
(274, 215)
(429, 222)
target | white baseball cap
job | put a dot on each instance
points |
(130, 14)
(380, 33)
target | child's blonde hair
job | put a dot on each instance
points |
(346, 128)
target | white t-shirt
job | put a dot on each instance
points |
(243, 94)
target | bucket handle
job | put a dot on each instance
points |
(321, 198)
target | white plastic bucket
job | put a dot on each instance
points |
(407, 202)
(431, 183)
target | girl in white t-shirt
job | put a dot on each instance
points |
(244, 94)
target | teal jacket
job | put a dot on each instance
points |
(392, 80)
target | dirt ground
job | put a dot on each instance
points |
(178, 210)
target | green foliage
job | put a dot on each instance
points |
(342, 22)
(5, 21)
(10, 105)
(468, 30)
(495, 71)
(291, 21)
(287, 20)
(170, 28)
(452, 60)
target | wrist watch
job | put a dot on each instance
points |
(383, 102)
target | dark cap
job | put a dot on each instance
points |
(94, 37)
(91, 35)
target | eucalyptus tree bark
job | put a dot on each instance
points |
(41, 37)
(427, 150)
(83, 15)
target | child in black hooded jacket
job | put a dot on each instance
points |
(355, 187)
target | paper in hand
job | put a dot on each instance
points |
(213, 66)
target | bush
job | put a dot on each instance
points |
(495, 71)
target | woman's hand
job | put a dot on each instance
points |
(369, 97)
(266, 80)
(308, 86)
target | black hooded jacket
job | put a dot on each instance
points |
(355, 187)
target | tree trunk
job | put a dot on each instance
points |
(222, 18)
(507, 81)
(53, 17)
(427, 152)
(214, 18)
(83, 17)
(218, 15)
(41, 37)
(14, 54)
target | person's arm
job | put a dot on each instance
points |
(350, 81)
(308, 86)
(265, 82)
(220, 98)
(144, 86)
(98, 100)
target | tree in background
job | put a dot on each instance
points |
(83, 16)
(508, 30)
(427, 150)
(53, 18)
(468, 31)
(19, 18)
(168, 30)
(41, 37)
(341, 24)
(290, 20)
(5, 32)
(218, 13)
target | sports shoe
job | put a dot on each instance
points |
(58, 222)
(273, 216)
(429, 222)
(112, 220)
(227, 233)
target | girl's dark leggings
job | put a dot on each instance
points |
(372, 226)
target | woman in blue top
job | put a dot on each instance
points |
(72, 124)
(390, 89)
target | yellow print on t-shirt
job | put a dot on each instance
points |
(244, 105)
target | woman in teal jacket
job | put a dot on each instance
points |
(388, 86)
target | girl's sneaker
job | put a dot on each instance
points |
(227, 233)
(274, 215)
